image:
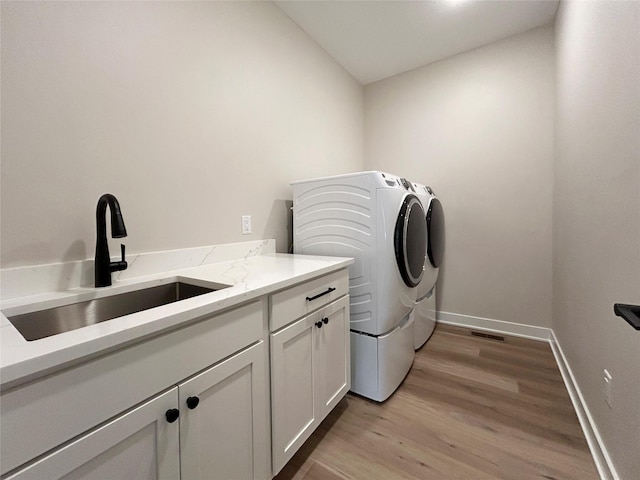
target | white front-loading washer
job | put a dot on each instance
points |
(424, 313)
(377, 219)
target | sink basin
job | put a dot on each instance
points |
(52, 321)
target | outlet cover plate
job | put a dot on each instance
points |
(246, 224)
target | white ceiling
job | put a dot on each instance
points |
(377, 39)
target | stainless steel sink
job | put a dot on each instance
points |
(52, 321)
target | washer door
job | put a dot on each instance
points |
(410, 240)
(435, 232)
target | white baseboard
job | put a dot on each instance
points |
(498, 326)
(601, 457)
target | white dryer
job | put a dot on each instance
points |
(424, 313)
(377, 219)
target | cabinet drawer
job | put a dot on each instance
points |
(72, 401)
(295, 302)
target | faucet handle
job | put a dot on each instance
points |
(121, 265)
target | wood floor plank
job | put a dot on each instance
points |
(471, 408)
(496, 411)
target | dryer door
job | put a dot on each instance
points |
(435, 232)
(410, 240)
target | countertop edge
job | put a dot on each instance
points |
(19, 371)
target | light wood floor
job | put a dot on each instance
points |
(471, 408)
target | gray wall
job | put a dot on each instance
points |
(191, 113)
(597, 213)
(478, 128)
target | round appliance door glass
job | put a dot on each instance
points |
(435, 229)
(410, 240)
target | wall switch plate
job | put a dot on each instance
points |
(608, 381)
(246, 224)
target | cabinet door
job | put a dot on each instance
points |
(332, 364)
(138, 445)
(292, 389)
(225, 435)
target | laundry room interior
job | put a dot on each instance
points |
(522, 117)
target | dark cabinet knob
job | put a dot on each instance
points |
(192, 402)
(172, 415)
(325, 320)
(319, 324)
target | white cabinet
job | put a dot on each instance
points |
(310, 373)
(224, 437)
(223, 420)
(141, 444)
(333, 366)
(212, 426)
(86, 395)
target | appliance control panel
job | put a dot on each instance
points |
(406, 184)
(396, 182)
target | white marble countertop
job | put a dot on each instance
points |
(249, 278)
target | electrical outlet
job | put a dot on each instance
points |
(608, 381)
(246, 224)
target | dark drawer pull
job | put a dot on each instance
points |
(315, 297)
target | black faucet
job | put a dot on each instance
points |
(103, 264)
